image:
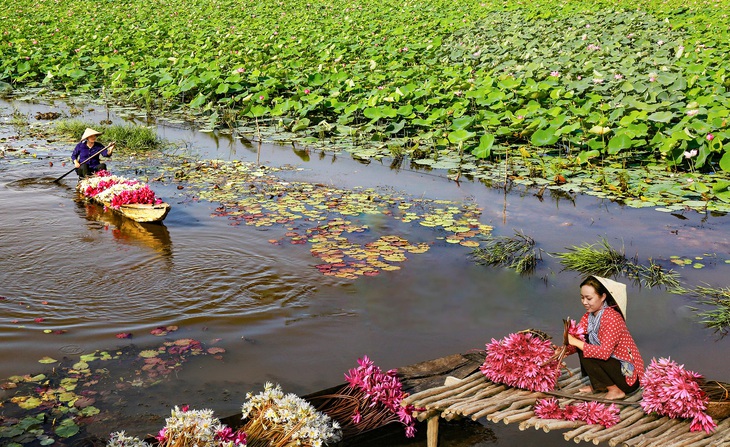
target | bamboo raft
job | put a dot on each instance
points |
(475, 397)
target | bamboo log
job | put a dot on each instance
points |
(618, 429)
(422, 416)
(556, 424)
(668, 436)
(519, 405)
(648, 438)
(720, 437)
(589, 433)
(578, 431)
(432, 432)
(638, 432)
(467, 408)
(524, 425)
(519, 417)
(483, 393)
(441, 389)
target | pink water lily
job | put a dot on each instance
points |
(673, 391)
(521, 360)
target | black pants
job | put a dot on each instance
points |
(604, 373)
(83, 171)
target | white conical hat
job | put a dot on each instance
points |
(618, 291)
(89, 132)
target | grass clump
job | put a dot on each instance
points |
(127, 136)
(603, 260)
(517, 252)
(718, 316)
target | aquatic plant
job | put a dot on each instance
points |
(602, 259)
(588, 412)
(517, 252)
(523, 360)
(272, 418)
(717, 317)
(671, 390)
(631, 87)
(57, 405)
(128, 137)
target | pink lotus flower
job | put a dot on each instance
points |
(710, 137)
(379, 391)
(588, 412)
(576, 330)
(162, 435)
(521, 360)
(673, 391)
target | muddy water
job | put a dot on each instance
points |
(94, 275)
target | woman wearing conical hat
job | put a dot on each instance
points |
(608, 353)
(85, 156)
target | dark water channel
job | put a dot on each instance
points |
(95, 275)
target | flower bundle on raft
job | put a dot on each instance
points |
(524, 360)
(371, 399)
(275, 419)
(588, 412)
(116, 191)
(187, 428)
(271, 419)
(673, 391)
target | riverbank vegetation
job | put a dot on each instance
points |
(626, 99)
(129, 137)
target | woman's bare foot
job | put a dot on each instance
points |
(615, 393)
(585, 389)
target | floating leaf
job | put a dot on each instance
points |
(67, 428)
(149, 353)
(47, 360)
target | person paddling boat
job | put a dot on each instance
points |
(86, 154)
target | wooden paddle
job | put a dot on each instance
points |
(90, 157)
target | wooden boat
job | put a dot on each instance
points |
(138, 212)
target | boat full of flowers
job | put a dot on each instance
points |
(132, 198)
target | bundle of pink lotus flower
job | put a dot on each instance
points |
(673, 391)
(371, 399)
(523, 360)
(116, 190)
(588, 412)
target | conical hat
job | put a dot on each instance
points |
(618, 291)
(89, 132)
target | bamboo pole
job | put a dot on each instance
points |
(557, 424)
(432, 431)
(720, 437)
(578, 431)
(618, 429)
(434, 394)
(519, 417)
(649, 437)
(519, 405)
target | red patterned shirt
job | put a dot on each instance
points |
(615, 341)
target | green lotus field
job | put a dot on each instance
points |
(538, 90)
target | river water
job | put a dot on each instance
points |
(93, 275)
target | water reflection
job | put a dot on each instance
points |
(128, 232)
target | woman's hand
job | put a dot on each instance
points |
(77, 164)
(110, 149)
(575, 342)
